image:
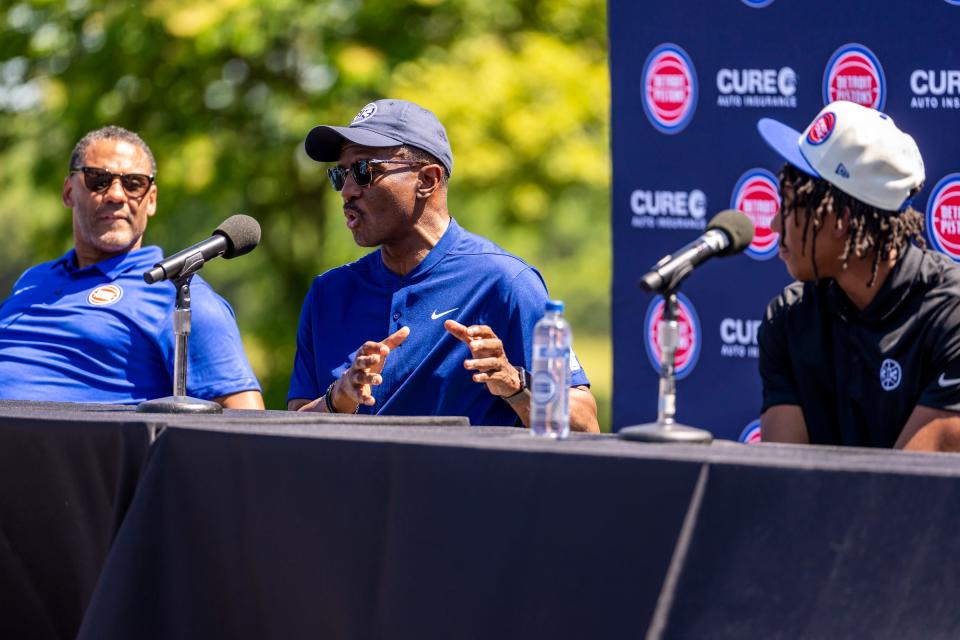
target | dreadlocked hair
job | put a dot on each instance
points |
(871, 231)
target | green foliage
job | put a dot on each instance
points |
(224, 92)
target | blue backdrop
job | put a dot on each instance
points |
(689, 82)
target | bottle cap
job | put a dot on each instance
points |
(554, 305)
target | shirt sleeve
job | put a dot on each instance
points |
(16, 285)
(943, 390)
(303, 380)
(217, 364)
(776, 367)
(527, 300)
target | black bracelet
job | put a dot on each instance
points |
(525, 382)
(328, 400)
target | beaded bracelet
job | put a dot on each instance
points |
(328, 400)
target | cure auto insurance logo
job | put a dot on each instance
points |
(669, 88)
(688, 344)
(943, 216)
(757, 194)
(854, 74)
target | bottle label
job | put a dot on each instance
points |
(549, 351)
(544, 387)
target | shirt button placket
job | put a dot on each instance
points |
(396, 318)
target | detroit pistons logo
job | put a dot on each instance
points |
(750, 433)
(688, 343)
(854, 74)
(943, 216)
(822, 128)
(669, 88)
(757, 194)
(107, 294)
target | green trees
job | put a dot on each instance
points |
(225, 90)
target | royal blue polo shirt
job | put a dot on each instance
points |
(466, 278)
(102, 334)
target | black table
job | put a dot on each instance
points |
(69, 473)
(371, 531)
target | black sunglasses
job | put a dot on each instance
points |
(362, 172)
(97, 181)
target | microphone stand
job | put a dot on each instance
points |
(180, 402)
(666, 428)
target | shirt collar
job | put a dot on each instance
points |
(447, 241)
(893, 292)
(144, 258)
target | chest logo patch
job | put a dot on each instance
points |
(107, 294)
(890, 374)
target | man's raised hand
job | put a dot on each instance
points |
(355, 386)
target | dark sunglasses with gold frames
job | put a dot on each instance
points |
(99, 180)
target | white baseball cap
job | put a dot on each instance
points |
(857, 149)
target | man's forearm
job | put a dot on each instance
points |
(242, 400)
(583, 409)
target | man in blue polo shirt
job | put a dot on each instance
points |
(87, 328)
(457, 311)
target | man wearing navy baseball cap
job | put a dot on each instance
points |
(457, 310)
(864, 349)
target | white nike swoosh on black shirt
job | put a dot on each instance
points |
(947, 382)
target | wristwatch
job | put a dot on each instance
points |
(525, 381)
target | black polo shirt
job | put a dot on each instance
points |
(858, 375)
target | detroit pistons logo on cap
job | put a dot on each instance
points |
(365, 114)
(822, 128)
(854, 74)
(688, 344)
(757, 194)
(943, 216)
(750, 433)
(669, 88)
(107, 294)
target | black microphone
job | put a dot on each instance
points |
(234, 237)
(729, 233)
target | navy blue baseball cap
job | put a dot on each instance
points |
(384, 123)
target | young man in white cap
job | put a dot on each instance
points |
(457, 310)
(865, 349)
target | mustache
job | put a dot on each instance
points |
(350, 207)
(114, 209)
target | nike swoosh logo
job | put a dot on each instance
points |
(435, 315)
(947, 382)
(22, 289)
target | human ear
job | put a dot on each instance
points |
(842, 225)
(67, 194)
(429, 180)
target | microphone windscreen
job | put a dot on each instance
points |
(242, 234)
(737, 226)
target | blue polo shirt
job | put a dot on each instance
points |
(102, 334)
(465, 278)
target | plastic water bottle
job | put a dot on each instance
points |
(550, 401)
